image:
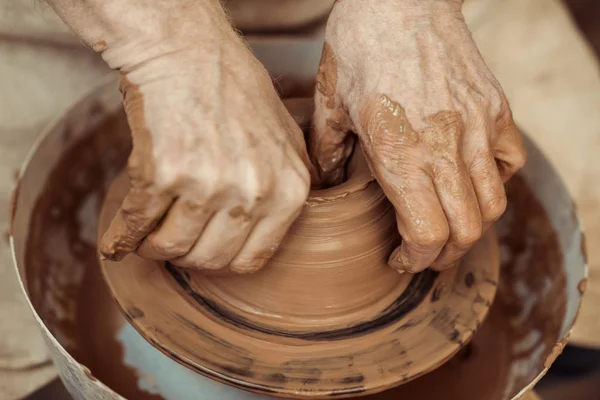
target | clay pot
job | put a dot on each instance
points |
(340, 244)
(326, 296)
(53, 238)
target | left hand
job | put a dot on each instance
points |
(434, 123)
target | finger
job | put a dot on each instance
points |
(453, 186)
(330, 142)
(138, 215)
(489, 189)
(220, 241)
(266, 236)
(457, 196)
(421, 221)
(509, 149)
(178, 232)
(395, 156)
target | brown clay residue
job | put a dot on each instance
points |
(134, 312)
(534, 290)
(62, 273)
(584, 251)
(556, 351)
(533, 263)
(88, 373)
(240, 212)
(482, 366)
(140, 164)
(100, 46)
(327, 78)
(582, 286)
(123, 236)
(63, 246)
(330, 143)
(384, 123)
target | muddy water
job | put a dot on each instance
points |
(71, 297)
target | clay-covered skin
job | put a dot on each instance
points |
(219, 168)
(434, 123)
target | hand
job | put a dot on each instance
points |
(218, 168)
(434, 123)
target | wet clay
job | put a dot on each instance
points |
(326, 297)
(520, 335)
(63, 280)
(63, 276)
(330, 149)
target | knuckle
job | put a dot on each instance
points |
(466, 235)
(520, 159)
(200, 264)
(258, 185)
(295, 191)
(427, 240)
(166, 248)
(496, 207)
(254, 263)
(165, 176)
(496, 102)
(504, 115)
(137, 167)
(304, 175)
(244, 267)
(478, 120)
(202, 186)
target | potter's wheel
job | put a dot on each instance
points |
(343, 324)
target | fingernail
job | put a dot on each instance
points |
(395, 261)
(108, 252)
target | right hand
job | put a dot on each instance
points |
(219, 169)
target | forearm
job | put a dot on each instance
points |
(133, 31)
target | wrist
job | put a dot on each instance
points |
(130, 33)
(407, 8)
(369, 22)
(176, 37)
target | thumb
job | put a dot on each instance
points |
(330, 141)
